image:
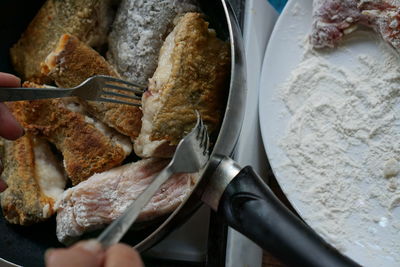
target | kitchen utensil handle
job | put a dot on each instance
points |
(22, 93)
(250, 207)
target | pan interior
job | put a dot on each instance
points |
(32, 241)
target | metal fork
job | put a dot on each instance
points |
(190, 156)
(97, 88)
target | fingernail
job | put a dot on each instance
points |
(3, 185)
(91, 246)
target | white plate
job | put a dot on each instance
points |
(379, 245)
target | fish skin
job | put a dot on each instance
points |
(24, 202)
(192, 74)
(71, 63)
(86, 149)
(333, 19)
(105, 196)
(89, 20)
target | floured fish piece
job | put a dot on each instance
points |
(138, 32)
(35, 180)
(332, 19)
(192, 74)
(89, 20)
(384, 17)
(87, 145)
(105, 196)
(71, 63)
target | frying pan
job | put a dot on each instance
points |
(238, 195)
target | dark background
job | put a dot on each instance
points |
(15, 17)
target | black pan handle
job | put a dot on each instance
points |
(250, 207)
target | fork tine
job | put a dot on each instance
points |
(207, 144)
(205, 151)
(199, 126)
(131, 90)
(121, 95)
(113, 79)
(205, 137)
(118, 101)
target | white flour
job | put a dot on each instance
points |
(343, 147)
(138, 33)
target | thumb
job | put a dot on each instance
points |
(83, 254)
(9, 127)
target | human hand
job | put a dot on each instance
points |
(9, 127)
(91, 254)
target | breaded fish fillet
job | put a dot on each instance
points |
(333, 19)
(192, 74)
(35, 180)
(71, 63)
(87, 145)
(89, 20)
(138, 32)
(105, 196)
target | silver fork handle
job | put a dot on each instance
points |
(21, 93)
(117, 229)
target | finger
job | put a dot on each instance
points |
(84, 254)
(9, 127)
(9, 80)
(121, 255)
(3, 185)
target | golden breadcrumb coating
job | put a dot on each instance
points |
(89, 20)
(86, 148)
(24, 202)
(198, 81)
(71, 63)
(192, 74)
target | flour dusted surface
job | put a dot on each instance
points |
(343, 147)
(138, 32)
